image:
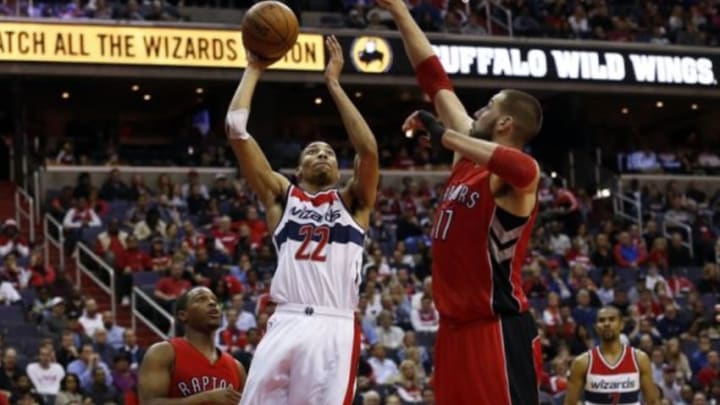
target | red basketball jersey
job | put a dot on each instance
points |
(477, 249)
(192, 372)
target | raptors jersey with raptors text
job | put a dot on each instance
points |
(320, 248)
(192, 372)
(478, 249)
(617, 384)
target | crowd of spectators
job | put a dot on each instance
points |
(214, 235)
(687, 23)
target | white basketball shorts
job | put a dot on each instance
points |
(308, 356)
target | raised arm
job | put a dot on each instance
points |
(577, 379)
(361, 190)
(430, 74)
(266, 183)
(650, 392)
(154, 382)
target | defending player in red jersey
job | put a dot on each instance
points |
(611, 373)
(191, 370)
(487, 350)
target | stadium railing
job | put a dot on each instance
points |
(709, 184)
(98, 271)
(627, 208)
(53, 234)
(138, 295)
(25, 211)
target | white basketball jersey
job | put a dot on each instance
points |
(320, 251)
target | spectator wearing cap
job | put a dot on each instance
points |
(169, 288)
(55, 323)
(91, 319)
(43, 275)
(46, 374)
(14, 273)
(79, 336)
(132, 349)
(221, 190)
(114, 188)
(11, 241)
(85, 365)
(110, 244)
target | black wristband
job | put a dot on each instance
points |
(432, 125)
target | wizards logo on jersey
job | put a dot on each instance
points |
(306, 213)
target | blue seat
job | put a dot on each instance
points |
(146, 278)
(89, 235)
(11, 315)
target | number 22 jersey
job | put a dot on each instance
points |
(478, 249)
(320, 249)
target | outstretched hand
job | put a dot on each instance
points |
(426, 123)
(336, 61)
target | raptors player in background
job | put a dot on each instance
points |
(309, 353)
(487, 350)
(611, 373)
(191, 370)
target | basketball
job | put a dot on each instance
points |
(269, 29)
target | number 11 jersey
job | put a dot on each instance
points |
(478, 249)
(320, 250)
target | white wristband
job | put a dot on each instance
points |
(236, 124)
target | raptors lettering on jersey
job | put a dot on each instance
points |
(320, 248)
(486, 284)
(196, 385)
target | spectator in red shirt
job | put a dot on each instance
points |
(226, 236)
(159, 259)
(11, 241)
(110, 245)
(233, 339)
(42, 275)
(566, 207)
(132, 260)
(659, 253)
(627, 254)
(258, 227)
(710, 372)
(169, 288)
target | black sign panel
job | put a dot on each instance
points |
(546, 62)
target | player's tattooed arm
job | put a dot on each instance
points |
(154, 382)
(650, 392)
(266, 183)
(363, 185)
(576, 382)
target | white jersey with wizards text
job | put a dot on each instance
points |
(320, 251)
(613, 384)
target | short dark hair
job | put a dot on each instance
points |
(526, 111)
(182, 301)
(612, 308)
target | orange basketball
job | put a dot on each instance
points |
(269, 29)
